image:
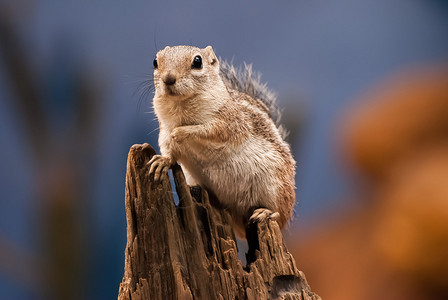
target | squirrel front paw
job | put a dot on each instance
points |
(159, 166)
(179, 134)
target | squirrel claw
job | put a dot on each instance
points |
(159, 166)
(261, 214)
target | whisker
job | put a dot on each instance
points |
(152, 131)
(144, 89)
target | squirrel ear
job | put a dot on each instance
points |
(211, 55)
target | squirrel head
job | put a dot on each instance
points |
(182, 72)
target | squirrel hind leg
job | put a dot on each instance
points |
(262, 214)
(255, 215)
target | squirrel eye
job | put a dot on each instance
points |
(197, 62)
(154, 63)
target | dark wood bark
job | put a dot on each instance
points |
(188, 251)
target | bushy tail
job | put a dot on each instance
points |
(245, 80)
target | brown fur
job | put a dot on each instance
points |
(225, 139)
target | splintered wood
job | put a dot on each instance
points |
(188, 251)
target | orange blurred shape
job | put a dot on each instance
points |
(412, 221)
(405, 113)
(394, 246)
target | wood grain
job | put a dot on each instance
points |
(188, 251)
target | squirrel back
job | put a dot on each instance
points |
(247, 81)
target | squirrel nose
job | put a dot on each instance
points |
(169, 79)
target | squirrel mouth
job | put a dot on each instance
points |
(170, 91)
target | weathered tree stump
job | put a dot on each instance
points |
(189, 251)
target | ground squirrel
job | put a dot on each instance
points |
(221, 125)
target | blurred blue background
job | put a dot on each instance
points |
(69, 111)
